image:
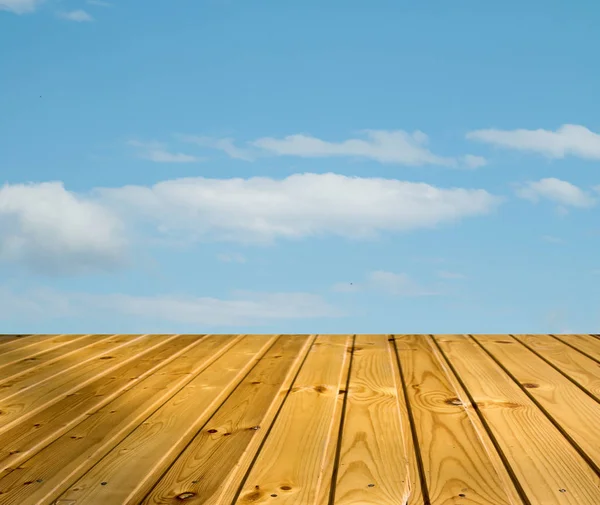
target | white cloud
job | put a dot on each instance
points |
(226, 145)
(262, 209)
(156, 152)
(243, 308)
(231, 258)
(450, 275)
(555, 190)
(386, 282)
(573, 140)
(20, 6)
(397, 146)
(47, 228)
(79, 16)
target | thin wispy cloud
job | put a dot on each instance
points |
(78, 16)
(568, 140)
(558, 191)
(388, 147)
(153, 151)
(20, 6)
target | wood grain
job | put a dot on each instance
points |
(576, 413)
(33, 363)
(25, 439)
(456, 453)
(530, 443)
(18, 350)
(52, 470)
(26, 395)
(211, 468)
(586, 344)
(290, 464)
(135, 464)
(577, 367)
(373, 466)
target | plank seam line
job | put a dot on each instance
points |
(44, 351)
(264, 440)
(338, 447)
(568, 377)
(115, 395)
(556, 424)
(167, 399)
(413, 431)
(210, 418)
(573, 347)
(509, 469)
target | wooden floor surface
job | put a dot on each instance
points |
(300, 419)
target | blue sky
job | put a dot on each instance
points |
(334, 167)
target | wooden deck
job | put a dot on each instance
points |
(300, 419)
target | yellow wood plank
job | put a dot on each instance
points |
(25, 396)
(547, 467)
(4, 339)
(576, 413)
(291, 461)
(572, 363)
(372, 467)
(18, 350)
(457, 455)
(20, 342)
(64, 354)
(132, 467)
(415, 492)
(587, 344)
(42, 478)
(210, 469)
(24, 440)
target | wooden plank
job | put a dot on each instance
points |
(458, 458)
(4, 339)
(586, 344)
(576, 366)
(210, 469)
(22, 341)
(291, 461)
(51, 471)
(415, 491)
(24, 440)
(546, 466)
(19, 404)
(372, 467)
(133, 466)
(64, 353)
(36, 376)
(577, 415)
(17, 350)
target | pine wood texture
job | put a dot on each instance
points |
(299, 419)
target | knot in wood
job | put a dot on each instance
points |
(453, 401)
(185, 496)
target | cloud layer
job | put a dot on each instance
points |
(568, 140)
(49, 228)
(19, 6)
(392, 147)
(556, 190)
(261, 209)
